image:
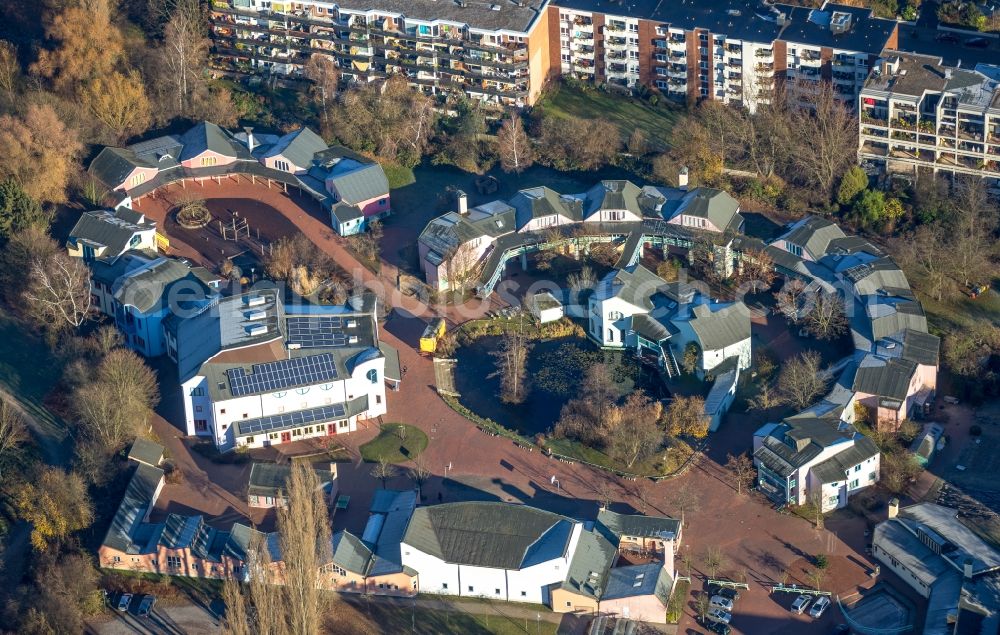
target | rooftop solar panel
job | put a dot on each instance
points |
(295, 419)
(316, 331)
(285, 373)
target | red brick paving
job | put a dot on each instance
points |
(467, 463)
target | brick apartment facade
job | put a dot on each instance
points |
(502, 52)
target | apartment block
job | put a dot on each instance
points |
(495, 52)
(915, 114)
(503, 51)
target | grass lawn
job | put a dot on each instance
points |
(627, 113)
(675, 608)
(398, 175)
(388, 445)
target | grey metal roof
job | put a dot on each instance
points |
(135, 503)
(113, 165)
(588, 571)
(146, 451)
(922, 348)
(392, 368)
(298, 147)
(539, 202)
(345, 212)
(268, 479)
(350, 553)
(897, 541)
(639, 580)
(361, 183)
(483, 534)
(209, 136)
(890, 380)
(720, 390)
(114, 230)
(616, 525)
(478, 14)
(715, 205)
(834, 469)
(613, 195)
(721, 327)
(649, 328)
(636, 285)
(964, 542)
(813, 234)
(149, 287)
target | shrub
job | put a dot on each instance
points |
(821, 562)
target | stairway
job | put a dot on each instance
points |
(670, 362)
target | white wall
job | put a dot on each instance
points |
(436, 575)
(610, 332)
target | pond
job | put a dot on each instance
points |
(556, 369)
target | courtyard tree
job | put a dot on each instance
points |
(685, 499)
(119, 102)
(826, 319)
(39, 152)
(637, 435)
(801, 379)
(741, 470)
(926, 255)
(13, 433)
(824, 138)
(325, 77)
(669, 269)
(766, 398)
(383, 471)
(114, 407)
(257, 607)
(713, 560)
(461, 266)
(56, 503)
(57, 294)
(691, 361)
(756, 270)
(897, 470)
(790, 298)
(512, 365)
(686, 416)
(514, 145)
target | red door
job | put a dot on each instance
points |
(331, 429)
(286, 437)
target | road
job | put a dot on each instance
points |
(919, 38)
(177, 619)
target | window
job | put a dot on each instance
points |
(339, 570)
(857, 468)
(326, 387)
(282, 165)
(794, 249)
(117, 559)
(524, 594)
(249, 439)
(871, 477)
(197, 408)
(373, 376)
(200, 425)
(444, 586)
(497, 591)
(208, 161)
(854, 483)
(138, 179)
(279, 395)
(173, 562)
(568, 603)
(296, 432)
(273, 435)
(378, 399)
(470, 588)
(302, 391)
(342, 424)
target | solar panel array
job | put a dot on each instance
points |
(295, 419)
(317, 331)
(272, 376)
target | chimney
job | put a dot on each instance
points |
(462, 202)
(967, 568)
(682, 178)
(947, 73)
(893, 508)
(249, 131)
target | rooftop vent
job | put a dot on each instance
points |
(734, 12)
(254, 300)
(294, 346)
(260, 329)
(840, 22)
(256, 315)
(352, 323)
(494, 7)
(353, 339)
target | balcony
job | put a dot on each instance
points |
(764, 53)
(764, 68)
(614, 27)
(617, 42)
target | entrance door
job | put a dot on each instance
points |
(286, 437)
(331, 429)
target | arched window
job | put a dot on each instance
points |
(373, 376)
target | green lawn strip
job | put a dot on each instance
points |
(388, 445)
(398, 175)
(404, 619)
(675, 608)
(625, 112)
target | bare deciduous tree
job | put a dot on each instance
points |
(383, 471)
(686, 416)
(972, 227)
(516, 152)
(757, 269)
(119, 102)
(58, 291)
(512, 365)
(325, 76)
(824, 138)
(741, 471)
(13, 432)
(115, 407)
(304, 537)
(461, 267)
(637, 435)
(183, 54)
(713, 560)
(826, 319)
(790, 298)
(801, 381)
(10, 69)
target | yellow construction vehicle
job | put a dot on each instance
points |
(434, 331)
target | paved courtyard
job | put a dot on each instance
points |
(467, 464)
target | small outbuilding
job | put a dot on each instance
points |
(267, 484)
(546, 307)
(146, 451)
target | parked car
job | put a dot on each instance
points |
(719, 627)
(800, 604)
(977, 43)
(725, 591)
(819, 607)
(123, 601)
(718, 615)
(145, 606)
(721, 602)
(946, 37)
